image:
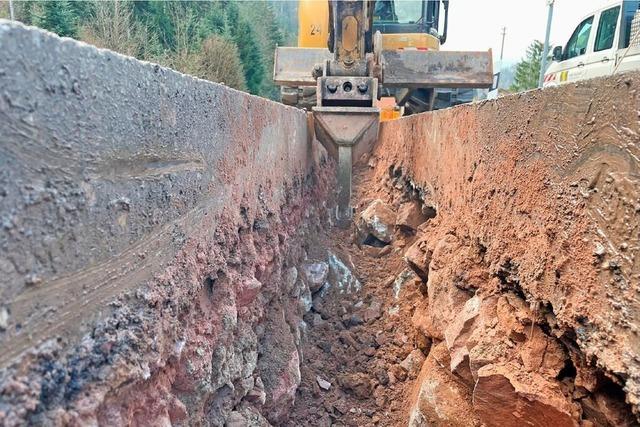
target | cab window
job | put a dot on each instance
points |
(629, 10)
(607, 29)
(579, 39)
(398, 11)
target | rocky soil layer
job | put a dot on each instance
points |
(526, 307)
(213, 340)
(147, 256)
(429, 335)
(530, 265)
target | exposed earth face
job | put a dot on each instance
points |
(433, 335)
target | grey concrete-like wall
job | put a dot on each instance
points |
(107, 165)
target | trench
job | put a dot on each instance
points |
(287, 320)
(369, 357)
(507, 301)
(362, 354)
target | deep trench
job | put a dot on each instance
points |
(363, 353)
(295, 322)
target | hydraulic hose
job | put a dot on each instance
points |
(443, 37)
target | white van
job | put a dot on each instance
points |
(605, 42)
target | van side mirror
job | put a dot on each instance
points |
(557, 53)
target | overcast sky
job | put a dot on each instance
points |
(477, 24)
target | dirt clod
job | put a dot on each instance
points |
(358, 384)
(410, 216)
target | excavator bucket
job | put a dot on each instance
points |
(402, 68)
(347, 133)
(347, 127)
(415, 69)
(292, 66)
(346, 123)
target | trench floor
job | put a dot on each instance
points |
(352, 358)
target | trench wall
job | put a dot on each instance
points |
(538, 197)
(148, 220)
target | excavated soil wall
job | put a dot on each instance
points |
(531, 264)
(150, 221)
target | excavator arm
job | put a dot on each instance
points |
(348, 75)
(346, 117)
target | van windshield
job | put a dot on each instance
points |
(579, 39)
(398, 11)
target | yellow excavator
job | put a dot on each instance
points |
(352, 53)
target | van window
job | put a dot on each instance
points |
(629, 11)
(607, 29)
(579, 39)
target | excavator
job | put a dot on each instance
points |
(353, 53)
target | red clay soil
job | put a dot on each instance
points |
(464, 320)
(528, 289)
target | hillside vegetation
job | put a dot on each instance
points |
(222, 41)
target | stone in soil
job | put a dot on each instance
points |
(315, 274)
(342, 276)
(418, 258)
(438, 398)
(377, 223)
(322, 383)
(410, 216)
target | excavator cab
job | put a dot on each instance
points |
(409, 17)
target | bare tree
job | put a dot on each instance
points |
(219, 61)
(113, 27)
(184, 27)
(4, 10)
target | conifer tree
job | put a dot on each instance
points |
(242, 34)
(56, 16)
(528, 70)
(268, 35)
